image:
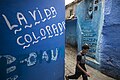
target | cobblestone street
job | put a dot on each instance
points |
(70, 62)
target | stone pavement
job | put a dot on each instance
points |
(70, 62)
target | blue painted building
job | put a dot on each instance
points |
(98, 24)
(109, 46)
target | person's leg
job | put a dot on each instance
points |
(66, 77)
(75, 76)
(84, 77)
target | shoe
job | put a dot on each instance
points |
(66, 77)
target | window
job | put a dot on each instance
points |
(71, 12)
(96, 1)
(96, 8)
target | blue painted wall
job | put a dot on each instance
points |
(32, 39)
(90, 22)
(71, 34)
(106, 45)
(110, 40)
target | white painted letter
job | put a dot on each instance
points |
(33, 14)
(21, 17)
(48, 28)
(63, 23)
(45, 56)
(29, 38)
(54, 12)
(43, 20)
(55, 29)
(61, 28)
(52, 53)
(8, 23)
(32, 59)
(48, 13)
(18, 41)
(43, 33)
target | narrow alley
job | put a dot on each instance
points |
(70, 62)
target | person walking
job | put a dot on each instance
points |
(80, 66)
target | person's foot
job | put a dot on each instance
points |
(66, 77)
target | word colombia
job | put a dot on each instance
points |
(45, 32)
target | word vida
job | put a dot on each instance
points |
(36, 15)
(32, 37)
